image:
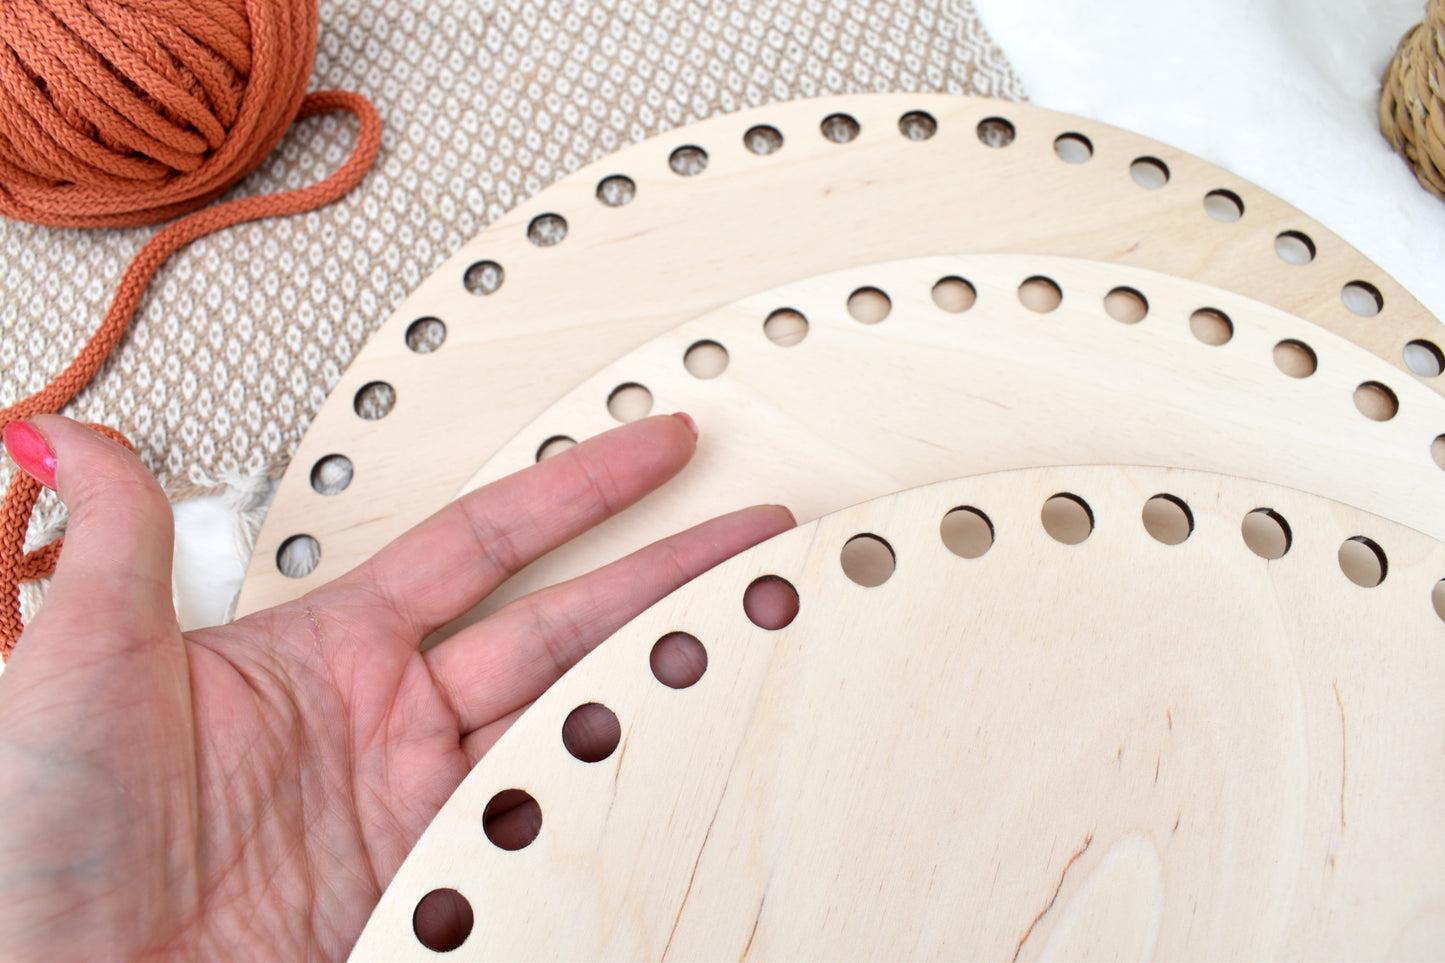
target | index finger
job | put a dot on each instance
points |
(450, 562)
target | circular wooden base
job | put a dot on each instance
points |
(628, 248)
(1037, 369)
(1103, 725)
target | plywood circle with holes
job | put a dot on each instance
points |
(978, 363)
(634, 245)
(1068, 712)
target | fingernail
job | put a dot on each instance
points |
(788, 511)
(686, 419)
(29, 449)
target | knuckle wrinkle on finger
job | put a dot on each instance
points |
(602, 486)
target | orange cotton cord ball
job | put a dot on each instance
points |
(120, 113)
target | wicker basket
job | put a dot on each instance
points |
(1412, 105)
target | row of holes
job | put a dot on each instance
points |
(707, 359)
(1123, 304)
(786, 327)
(869, 560)
(512, 819)
(1293, 246)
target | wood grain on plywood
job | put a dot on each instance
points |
(1139, 737)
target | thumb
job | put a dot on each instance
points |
(112, 587)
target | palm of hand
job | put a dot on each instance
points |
(312, 785)
(251, 789)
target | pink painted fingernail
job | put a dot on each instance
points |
(29, 449)
(686, 419)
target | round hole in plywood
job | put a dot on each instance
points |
(1437, 599)
(1073, 148)
(1149, 172)
(705, 359)
(867, 560)
(591, 732)
(1067, 518)
(629, 402)
(547, 230)
(1266, 533)
(1295, 247)
(1363, 298)
(425, 335)
(1437, 451)
(616, 190)
(1424, 358)
(771, 602)
(484, 277)
(554, 446)
(1126, 305)
(763, 140)
(1211, 326)
(869, 305)
(1295, 358)
(512, 819)
(839, 128)
(1040, 294)
(331, 474)
(1168, 519)
(954, 295)
(917, 125)
(374, 400)
(442, 920)
(1376, 401)
(688, 160)
(298, 556)
(785, 327)
(1363, 561)
(678, 660)
(1224, 206)
(996, 131)
(966, 532)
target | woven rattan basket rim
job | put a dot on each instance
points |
(1412, 103)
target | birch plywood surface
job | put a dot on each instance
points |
(855, 410)
(628, 248)
(1091, 722)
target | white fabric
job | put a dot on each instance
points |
(1283, 92)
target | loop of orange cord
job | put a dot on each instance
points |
(120, 114)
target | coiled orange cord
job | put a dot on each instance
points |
(119, 114)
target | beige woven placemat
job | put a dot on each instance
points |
(483, 103)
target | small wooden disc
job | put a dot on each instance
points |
(1103, 725)
(628, 248)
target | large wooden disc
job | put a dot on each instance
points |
(855, 410)
(576, 282)
(1107, 728)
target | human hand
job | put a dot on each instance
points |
(250, 789)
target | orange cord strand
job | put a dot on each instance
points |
(82, 148)
(18, 566)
